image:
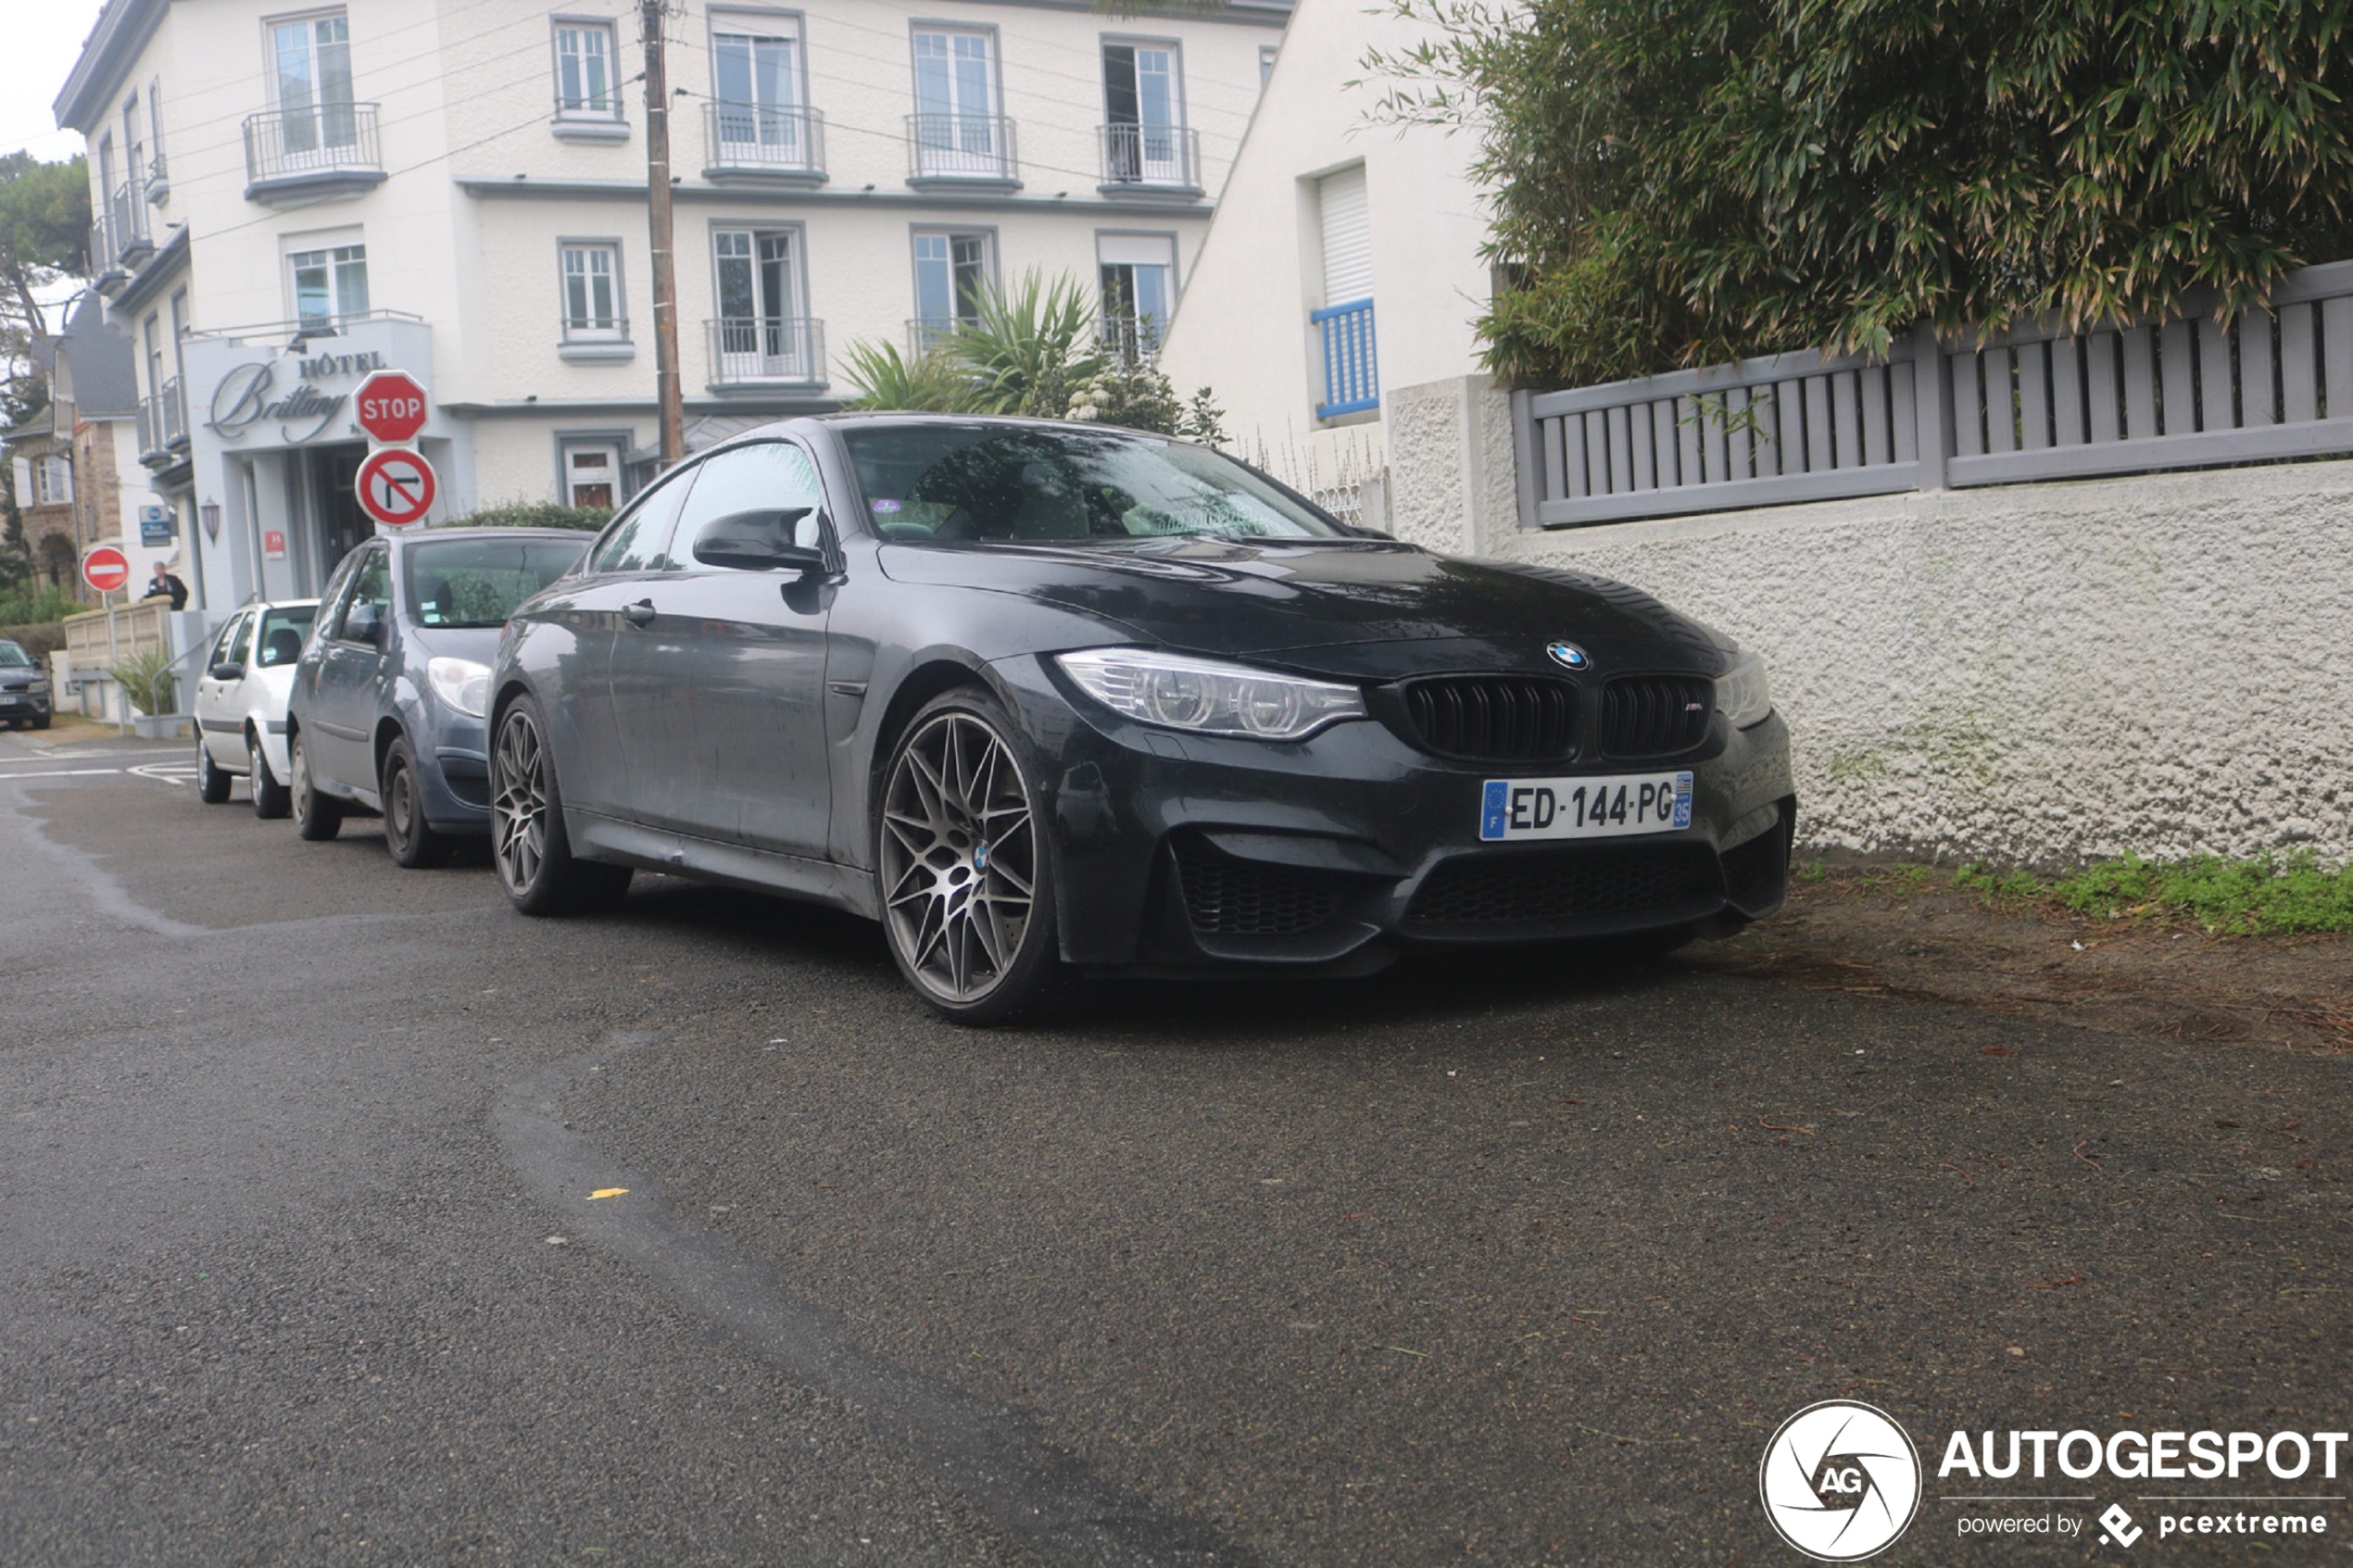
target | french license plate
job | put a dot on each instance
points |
(1606, 808)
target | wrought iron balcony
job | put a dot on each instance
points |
(1152, 157)
(163, 426)
(1352, 371)
(752, 351)
(106, 271)
(764, 142)
(972, 147)
(300, 155)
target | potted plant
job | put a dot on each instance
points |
(147, 684)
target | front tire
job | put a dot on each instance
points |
(411, 838)
(541, 875)
(317, 816)
(964, 865)
(269, 794)
(212, 785)
(41, 720)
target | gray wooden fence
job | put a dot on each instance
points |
(2034, 402)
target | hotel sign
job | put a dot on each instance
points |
(249, 395)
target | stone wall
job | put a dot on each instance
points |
(2037, 673)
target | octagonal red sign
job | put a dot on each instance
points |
(390, 406)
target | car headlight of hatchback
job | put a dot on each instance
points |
(1740, 692)
(1208, 696)
(461, 683)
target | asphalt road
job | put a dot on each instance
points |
(1481, 1262)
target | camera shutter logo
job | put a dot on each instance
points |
(1839, 1481)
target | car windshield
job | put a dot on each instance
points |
(479, 582)
(283, 631)
(933, 484)
(14, 658)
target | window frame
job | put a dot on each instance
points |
(572, 331)
(917, 27)
(1134, 321)
(952, 232)
(761, 21)
(557, 25)
(332, 248)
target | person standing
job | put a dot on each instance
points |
(163, 584)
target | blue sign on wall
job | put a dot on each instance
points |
(157, 525)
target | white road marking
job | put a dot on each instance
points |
(64, 774)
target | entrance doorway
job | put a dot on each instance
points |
(334, 503)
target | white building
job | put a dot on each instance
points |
(1332, 305)
(290, 196)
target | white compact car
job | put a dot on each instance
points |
(240, 703)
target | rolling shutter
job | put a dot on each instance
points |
(1348, 240)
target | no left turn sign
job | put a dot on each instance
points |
(395, 487)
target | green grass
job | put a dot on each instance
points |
(2291, 894)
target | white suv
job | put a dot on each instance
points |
(240, 703)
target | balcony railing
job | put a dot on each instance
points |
(747, 349)
(1163, 157)
(163, 425)
(1351, 372)
(129, 212)
(961, 146)
(158, 179)
(323, 146)
(764, 139)
(103, 267)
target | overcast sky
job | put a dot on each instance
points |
(44, 36)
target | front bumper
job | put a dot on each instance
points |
(23, 704)
(1176, 850)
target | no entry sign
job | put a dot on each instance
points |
(396, 486)
(390, 406)
(106, 569)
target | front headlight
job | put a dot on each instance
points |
(38, 687)
(1741, 693)
(1208, 697)
(461, 683)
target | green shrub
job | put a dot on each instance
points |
(534, 514)
(28, 603)
(146, 683)
(39, 639)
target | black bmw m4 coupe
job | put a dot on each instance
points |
(1048, 699)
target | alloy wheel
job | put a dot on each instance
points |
(519, 805)
(959, 857)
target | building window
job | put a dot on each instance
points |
(593, 310)
(1144, 141)
(1139, 284)
(952, 272)
(761, 332)
(155, 131)
(583, 70)
(313, 76)
(52, 480)
(756, 79)
(592, 473)
(329, 285)
(1345, 324)
(956, 128)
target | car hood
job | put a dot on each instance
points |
(1362, 608)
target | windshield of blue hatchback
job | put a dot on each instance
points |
(948, 484)
(479, 582)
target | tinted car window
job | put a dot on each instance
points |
(283, 631)
(224, 647)
(370, 583)
(635, 540)
(771, 476)
(13, 657)
(932, 482)
(479, 582)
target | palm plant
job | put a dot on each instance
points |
(885, 379)
(1029, 346)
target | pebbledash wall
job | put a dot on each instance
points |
(2042, 673)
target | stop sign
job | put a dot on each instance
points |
(390, 406)
(106, 569)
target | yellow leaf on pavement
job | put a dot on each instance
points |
(609, 1191)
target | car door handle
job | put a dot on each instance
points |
(639, 614)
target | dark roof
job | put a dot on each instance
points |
(101, 361)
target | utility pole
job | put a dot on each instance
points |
(659, 225)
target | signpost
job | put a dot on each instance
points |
(390, 407)
(108, 569)
(396, 486)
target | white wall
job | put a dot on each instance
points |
(2039, 672)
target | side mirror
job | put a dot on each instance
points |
(765, 540)
(364, 623)
(229, 671)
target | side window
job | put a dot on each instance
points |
(772, 476)
(224, 646)
(633, 541)
(370, 583)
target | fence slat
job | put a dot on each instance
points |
(1817, 424)
(1902, 388)
(1596, 454)
(2299, 368)
(2067, 391)
(2034, 395)
(2099, 358)
(1968, 414)
(1687, 435)
(1872, 384)
(1645, 469)
(1740, 419)
(1765, 439)
(1621, 454)
(2001, 402)
(1552, 482)
(2178, 380)
(2217, 409)
(1712, 427)
(1846, 420)
(2336, 347)
(2257, 403)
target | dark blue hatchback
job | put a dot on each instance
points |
(389, 697)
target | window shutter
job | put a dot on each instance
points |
(1348, 240)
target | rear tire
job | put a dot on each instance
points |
(528, 842)
(411, 838)
(964, 865)
(269, 794)
(212, 785)
(317, 816)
